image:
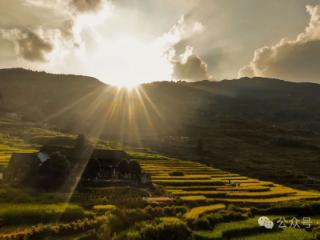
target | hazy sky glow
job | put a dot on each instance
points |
(127, 42)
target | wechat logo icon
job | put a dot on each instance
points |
(265, 222)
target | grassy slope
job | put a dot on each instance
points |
(250, 230)
(287, 234)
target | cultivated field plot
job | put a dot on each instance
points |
(9, 145)
(23, 137)
(195, 182)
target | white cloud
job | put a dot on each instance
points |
(29, 45)
(47, 29)
(182, 30)
(190, 67)
(294, 60)
(186, 65)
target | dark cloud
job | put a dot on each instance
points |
(28, 44)
(88, 5)
(295, 60)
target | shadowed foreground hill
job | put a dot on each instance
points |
(254, 126)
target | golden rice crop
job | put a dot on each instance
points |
(196, 212)
(194, 198)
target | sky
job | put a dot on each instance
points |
(128, 42)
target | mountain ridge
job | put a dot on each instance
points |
(39, 94)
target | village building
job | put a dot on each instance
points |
(99, 166)
(103, 164)
(20, 167)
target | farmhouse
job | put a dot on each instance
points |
(69, 152)
(21, 166)
(103, 164)
(100, 164)
(95, 165)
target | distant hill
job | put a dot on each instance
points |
(38, 95)
(77, 100)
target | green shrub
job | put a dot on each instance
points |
(104, 208)
(134, 168)
(122, 197)
(133, 235)
(135, 220)
(174, 210)
(165, 228)
(231, 229)
(316, 232)
(127, 235)
(202, 224)
(168, 228)
(210, 220)
(11, 214)
(53, 172)
(40, 231)
(166, 211)
(132, 216)
(114, 224)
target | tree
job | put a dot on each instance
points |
(123, 167)
(53, 172)
(134, 168)
(92, 170)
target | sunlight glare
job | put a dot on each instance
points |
(139, 62)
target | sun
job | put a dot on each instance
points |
(128, 85)
(128, 61)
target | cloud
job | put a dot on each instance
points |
(190, 67)
(294, 60)
(28, 44)
(48, 29)
(186, 65)
(88, 5)
(182, 30)
(77, 5)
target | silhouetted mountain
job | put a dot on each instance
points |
(37, 95)
(69, 99)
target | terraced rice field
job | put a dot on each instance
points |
(253, 231)
(9, 145)
(196, 212)
(200, 183)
